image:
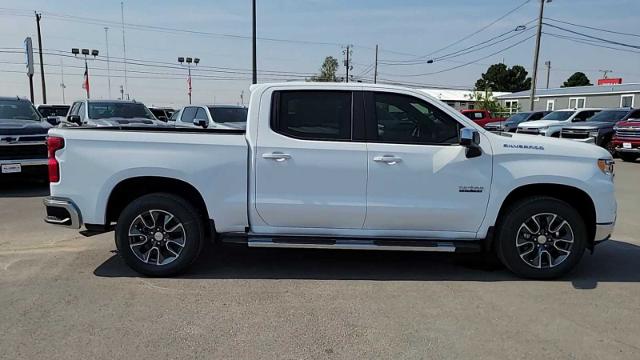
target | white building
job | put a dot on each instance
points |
(458, 99)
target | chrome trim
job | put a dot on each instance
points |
(351, 245)
(603, 231)
(69, 206)
(25, 162)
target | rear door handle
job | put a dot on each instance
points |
(277, 156)
(388, 159)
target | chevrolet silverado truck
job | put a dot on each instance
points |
(335, 166)
(599, 128)
(106, 113)
(23, 130)
(626, 139)
(552, 123)
(212, 116)
(482, 117)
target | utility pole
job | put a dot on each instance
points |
(535, 55)
(44, 87)
(255, 61)
(347, 62)
(62, 85)
(106, 39)
(604, 73)
(375, 68)
(124, 50)
(548, 65)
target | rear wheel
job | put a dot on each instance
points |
(541, 238)
(627, 156)
(159, 234)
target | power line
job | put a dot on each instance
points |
(593, 28)
(593, 37)
(477, 31)
(588, 42)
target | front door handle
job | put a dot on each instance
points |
(388, 159)
(277, 156)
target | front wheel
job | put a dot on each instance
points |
(541, 238)
(159, 234)
(628, 157)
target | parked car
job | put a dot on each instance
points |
(111, 113)
(552, 123)
(511, 123)
(23, 132)
(58, 111)
(481, 117)
(162, 113)
(212, 116)
(336, 166)
(626, 139)
(599, 128)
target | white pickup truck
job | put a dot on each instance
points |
(335, 166)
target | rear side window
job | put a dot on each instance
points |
(312, 115)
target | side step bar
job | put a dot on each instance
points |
(353, 244)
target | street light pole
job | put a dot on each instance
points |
(255, 61)
(85, 52)
(189, 61)
(535, 56)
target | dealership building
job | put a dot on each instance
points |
(458, 99)
(595, 96)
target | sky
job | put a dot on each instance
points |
(294, 38)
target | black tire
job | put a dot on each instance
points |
(628, 157)
(608, 145)
(508, 233)
(191, 234)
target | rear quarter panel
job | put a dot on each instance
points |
(93, 162)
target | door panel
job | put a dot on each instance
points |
(308, 172)
(419, 178)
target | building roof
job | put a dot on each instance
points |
(454, 95)
(577, 91)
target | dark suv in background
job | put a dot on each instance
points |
(599, 129)
(511, 123)
(23, 133)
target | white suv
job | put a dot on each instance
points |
(552, 123)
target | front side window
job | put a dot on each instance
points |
(313, 115)
(201, 115)
(188, 114)
(584, 115)
(81, 111)
(408, 120)
(18, 110)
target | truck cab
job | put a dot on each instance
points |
(211, 116)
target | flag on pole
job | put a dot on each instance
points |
(189, 84)
(85, 81)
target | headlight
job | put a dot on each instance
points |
(593, 134)
(606, 166)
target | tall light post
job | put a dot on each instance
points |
(188, 61)
(85, 53)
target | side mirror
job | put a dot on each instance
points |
(201, 122)
(74, 119)
(470, 138)
(53, 120)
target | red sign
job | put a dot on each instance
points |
(610, 81)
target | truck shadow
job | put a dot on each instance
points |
(613, 261)
(23, 187)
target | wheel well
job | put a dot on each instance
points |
(130, 189)
(575, 197)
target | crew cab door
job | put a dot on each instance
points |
(308, 171)
(420, 178)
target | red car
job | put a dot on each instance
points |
(481, 117)
(627, 139)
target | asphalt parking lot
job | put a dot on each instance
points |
(67, 296)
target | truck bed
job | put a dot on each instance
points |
(95, 160)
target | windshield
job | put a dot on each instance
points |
(558, 115)
(516, 118)
(18, 110)
(609, 115)
(53, 110)
(106, 110)
(228, 115)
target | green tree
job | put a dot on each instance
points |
(500, 78)
(484, 100)
(327, 70)
(577, 79)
